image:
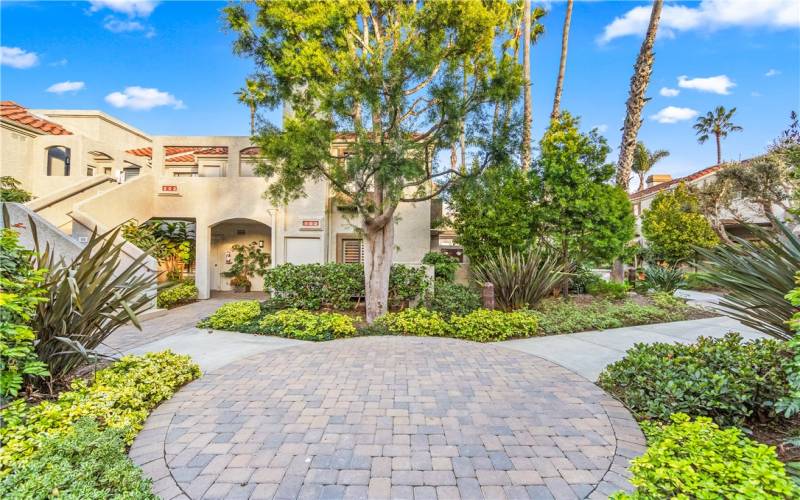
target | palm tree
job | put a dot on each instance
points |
(563, 65)
(637, 99)
(252, 95)
(532, 30)
(718, 123)
(644, 160)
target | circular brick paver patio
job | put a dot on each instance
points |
(382, 417)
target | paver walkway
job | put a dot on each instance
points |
(381, 417)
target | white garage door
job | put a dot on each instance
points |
(303, 250)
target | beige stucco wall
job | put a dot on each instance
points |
(98, 126)
(16, 150)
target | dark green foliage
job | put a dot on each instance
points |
(731, 381)
(610, 289)
(11, 190)
(697, 459)
(663, 279)
(314, 286)
(584, 217)
(520, 279)
(305, 325)
(87, 464)
(697, 281)
(444, 266)
(757, 275)
(250, 260)
(559, 316)
(496, 210)
(582, 278)
(450, 298)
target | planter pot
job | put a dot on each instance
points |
(241, 289)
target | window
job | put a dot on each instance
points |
(184, 174)
(247, 168)
(352, 251)
(58, 160)
(211, 171)
(106, 170)
(90, 171)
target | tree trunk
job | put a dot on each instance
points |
(527, 118)
(464, 124)
(637, 99)
(378, 255)
(719, 149)
(641, 180)
(252, 120)
(563, 65)
(719, 228)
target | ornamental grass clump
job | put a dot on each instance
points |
(119, 397)
(696, 459)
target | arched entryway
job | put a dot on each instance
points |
(225, 237)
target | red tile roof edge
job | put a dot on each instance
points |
(20, 115)
(687, 178)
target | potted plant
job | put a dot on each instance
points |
(249, 261)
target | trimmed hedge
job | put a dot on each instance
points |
(119, 397)
(182, 293)
(232, 315)
(731, 381)
(315, 286)
(697, 459)
(88, 464)
(304, 325)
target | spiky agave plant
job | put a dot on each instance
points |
(520, 279)
(757, 274)
(663, 279)
(89, 297)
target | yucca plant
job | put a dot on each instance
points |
(520, 279)
(663, 279)
(88, 298)
(757, 274)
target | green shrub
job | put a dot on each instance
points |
(181, 293)
(449, 298)
(582, 278)
(559, 316)
(697, 459)
(119, 397)
(663, 279)
(304, 325)
(87, 464)
(491, 326)
(233, 316)
(20, 292)
(419, 321)
(697, 281)
(444, 266)
(11, 190)
(725, 379)
(610, 289)
(789, 405)
(520, 279)
(314, 286)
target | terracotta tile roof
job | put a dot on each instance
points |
(686, 179)
(187, 154)
(148, 152)
(252, 151)
(214, 150)
(9, 110)
(181, 159)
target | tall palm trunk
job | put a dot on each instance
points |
(563, 65)
(636, 98)
(641, 180)
(719, 149)
(527, 116)
(252, 119)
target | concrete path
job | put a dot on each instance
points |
(389, 417)
(587, 353)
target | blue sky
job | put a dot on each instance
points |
(167, 68)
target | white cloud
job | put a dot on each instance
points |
(68, 86)
(140, 98)
(719, 84)
(133, 8)
(60, 62)
(115, 25)
(601, 128)
(673, 114)
(668, 92)
(708, 15)
(18, 58)
(772, 72)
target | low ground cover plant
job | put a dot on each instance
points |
(90, 463)
(118, 397)
(730, 381)
(233, 316)
(609, 289)
(492, 326)
(418, 321)
(181, 293)
(696, 459)
(305, 325)
(559, 316)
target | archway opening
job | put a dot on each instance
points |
(233, 241)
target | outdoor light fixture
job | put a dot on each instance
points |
(260, 243)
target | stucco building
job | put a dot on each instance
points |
(87, 169)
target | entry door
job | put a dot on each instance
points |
(303, 250)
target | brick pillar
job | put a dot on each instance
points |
(487, 296)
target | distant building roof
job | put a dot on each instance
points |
(665, 185)
(11, 111)
(148, 152)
